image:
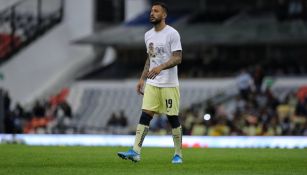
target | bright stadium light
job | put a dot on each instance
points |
(207, 117)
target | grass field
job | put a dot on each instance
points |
(34, 160)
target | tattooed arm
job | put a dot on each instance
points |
(146, 69)
(140, 84)
(173, 61)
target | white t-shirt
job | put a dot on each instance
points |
(160, 46)
(244, 81)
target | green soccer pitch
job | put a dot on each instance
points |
(40, 160)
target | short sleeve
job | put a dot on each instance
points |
(175, 41)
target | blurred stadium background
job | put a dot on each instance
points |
(68, 69)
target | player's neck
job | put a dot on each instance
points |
(160, 26)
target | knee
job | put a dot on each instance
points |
(145, 118)
(173, 121)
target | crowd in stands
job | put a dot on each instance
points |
(261, 114)
(256, 112)
(118, 123)
(51, 116)
(118, 120)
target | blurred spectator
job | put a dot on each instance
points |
(245, 84)
(284, 110)
(19, 118)
(38, 110)
(220, 128)
(8, 120)
(198, 128)
(18, 110)
(295, 9)
(301, 108)
(275, 126)
(220, 110)
(13, 122)
(17, 122)
(50, 110)
(66, 109)
(113, 120)
(188, 119)
(210, 109)
(240, 104)
(258, 76)
(286, 126)
(63, 117)
(304, 129)
(6, 101)
(123, 122)
(272, 101)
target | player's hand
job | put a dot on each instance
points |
(140, 87)
(154, 72)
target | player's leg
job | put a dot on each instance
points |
(171, 97)
(149, 107)
(142, 130)
(177, 137)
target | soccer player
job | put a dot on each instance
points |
(161, 92)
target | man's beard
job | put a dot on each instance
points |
(155, 22)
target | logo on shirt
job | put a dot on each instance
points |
(151, 50)
(157, 51)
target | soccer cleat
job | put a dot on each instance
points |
(130, 154)
(177, 159)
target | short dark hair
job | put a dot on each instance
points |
(163, 5)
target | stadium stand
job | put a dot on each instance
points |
(21, 22)
(263, 113)
(95, 102)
